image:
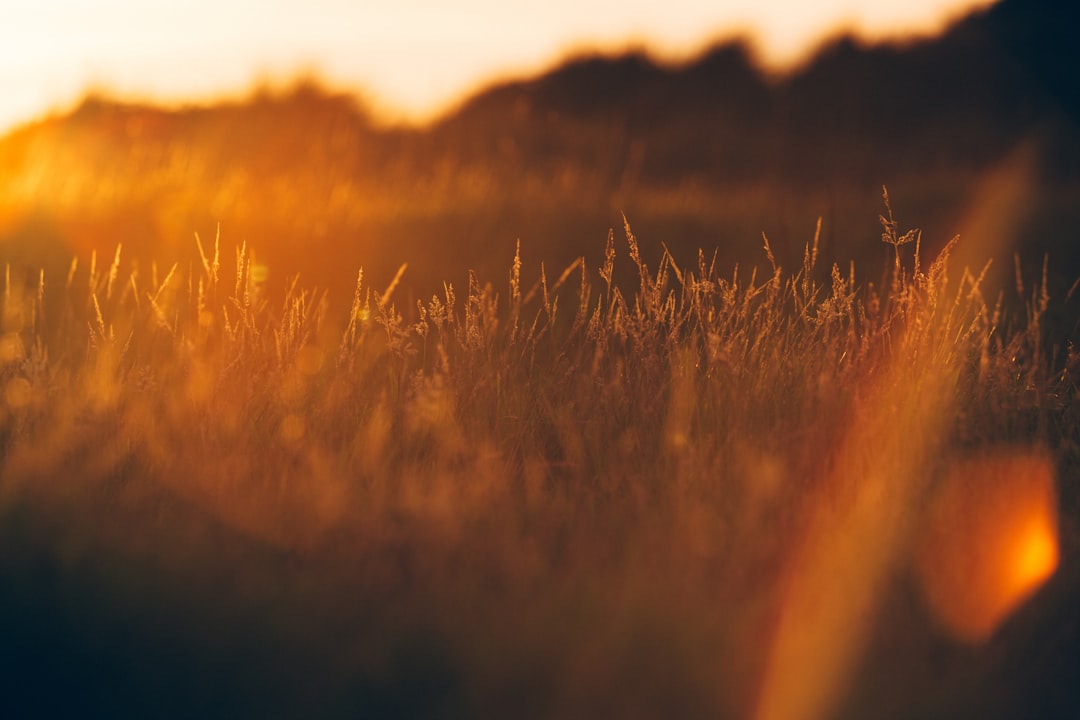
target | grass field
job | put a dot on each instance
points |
(632, 490)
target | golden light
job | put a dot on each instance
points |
(990, 541)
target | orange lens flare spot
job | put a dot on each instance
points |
(1036, 556)
(990, 541)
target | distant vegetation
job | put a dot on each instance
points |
(709, 154)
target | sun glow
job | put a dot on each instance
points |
(415, 57)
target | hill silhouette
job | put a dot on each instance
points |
(976, 128)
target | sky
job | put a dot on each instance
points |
(410, 59)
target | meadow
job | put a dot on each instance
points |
(626, 488)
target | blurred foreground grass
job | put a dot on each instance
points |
(609, 492)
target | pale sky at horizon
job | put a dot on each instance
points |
(409, 58)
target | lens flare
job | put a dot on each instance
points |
(1036, 557)
(990, 541)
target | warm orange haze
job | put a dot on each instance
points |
(689, 361)
(414, 57)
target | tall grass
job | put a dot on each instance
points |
(570, 496)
